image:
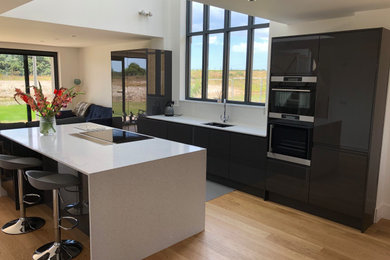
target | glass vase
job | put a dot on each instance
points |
(47, 125)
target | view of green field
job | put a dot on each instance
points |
(236, 85)
(135, 94)
(12, 75)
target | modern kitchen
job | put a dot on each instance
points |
(282, 155)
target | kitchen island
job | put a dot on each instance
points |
(143, 196)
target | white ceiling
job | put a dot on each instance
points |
(32, 32)
(292, 11)
(7, 5)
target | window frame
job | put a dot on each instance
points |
(25, 54)
(226, 30)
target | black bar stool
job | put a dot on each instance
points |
(59, 249)
(23, 224)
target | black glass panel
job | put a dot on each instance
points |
(290, 140)
(294, 55)
(117, 136)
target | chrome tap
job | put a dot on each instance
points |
(224, 117)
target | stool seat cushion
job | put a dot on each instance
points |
(11, 162)
(44, 180)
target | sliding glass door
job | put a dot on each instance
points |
(22, 69)
(128, 75)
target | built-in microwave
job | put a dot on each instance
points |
(292, 98)
(290, 141)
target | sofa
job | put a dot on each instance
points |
(85, 112)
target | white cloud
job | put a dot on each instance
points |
(213, 39)
(261, 46)
(241, 47)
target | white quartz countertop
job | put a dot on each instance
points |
(91, 157)
(237, 127)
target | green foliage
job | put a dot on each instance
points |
(135, 70)
(13, 65)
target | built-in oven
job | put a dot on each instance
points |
(292, 98)
(290, 141)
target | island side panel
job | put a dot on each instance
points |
(141, 209)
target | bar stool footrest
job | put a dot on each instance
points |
(35, 199)
(70, 219)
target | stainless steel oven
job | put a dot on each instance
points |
(290, 141)
(292, 98)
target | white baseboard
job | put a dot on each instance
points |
(383, 211)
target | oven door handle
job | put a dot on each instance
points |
(271, 128)
(291, 90)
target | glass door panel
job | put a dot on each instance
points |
(41, 70)
(11, 76)
(135, 90)
(116, 87)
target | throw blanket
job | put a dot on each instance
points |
(81, 108)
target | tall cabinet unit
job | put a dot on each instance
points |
(348, 126)
(352, 79)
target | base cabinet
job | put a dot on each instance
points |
(248, 160)
(288, 179)
(233, 159)
(156, 128)
(338, 180)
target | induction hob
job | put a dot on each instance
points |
(116, 136)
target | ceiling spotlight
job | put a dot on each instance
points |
(251, 0)
(145, 13)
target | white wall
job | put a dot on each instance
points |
(68, 61)
(113, 15)
(95, 70)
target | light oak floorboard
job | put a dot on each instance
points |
(242, 226)
(238, 226)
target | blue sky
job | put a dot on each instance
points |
(238, 40)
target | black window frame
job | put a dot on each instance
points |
(226, 30)
(25, 54)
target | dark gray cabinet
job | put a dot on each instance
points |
(345, 90)
(352, 77)
(156, 128)
(338, 180)
(248, 160)
(288, 179)
(179, 132)
(233, 159)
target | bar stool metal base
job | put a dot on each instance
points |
(66, 250)
(23, 225)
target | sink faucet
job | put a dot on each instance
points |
(224, 117)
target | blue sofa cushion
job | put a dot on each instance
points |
(97, 112)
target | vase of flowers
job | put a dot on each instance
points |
(46, 110)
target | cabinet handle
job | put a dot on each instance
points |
(271, 128)
(291, 90)
(314, 65)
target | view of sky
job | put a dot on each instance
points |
(238, 40)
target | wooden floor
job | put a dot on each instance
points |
(238, 226)
(21, 247)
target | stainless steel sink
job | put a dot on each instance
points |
(217, 124)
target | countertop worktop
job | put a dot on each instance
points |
(91, 157)
(237, 127)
